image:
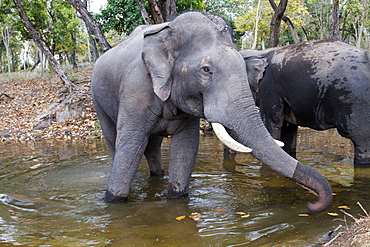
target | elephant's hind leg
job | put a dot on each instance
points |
(289, 137)
(154, 156)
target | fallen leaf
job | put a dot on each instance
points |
(344, 207)
(334, 194)
(195, 216)
(181, 217)
(303, 215)
(129, 216)
(219, 210)
(332, 214)
(340, 219)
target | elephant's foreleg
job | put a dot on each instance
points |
(154, 156)
(183, 153)
(289, 137)
(129, 151)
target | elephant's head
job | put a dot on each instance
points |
(205, 76)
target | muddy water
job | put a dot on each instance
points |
(51, 195)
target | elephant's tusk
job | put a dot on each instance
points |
(280, 143)
(226, 139)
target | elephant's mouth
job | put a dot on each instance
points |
(226, 139)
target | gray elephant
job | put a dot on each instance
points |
(160, 81)
(316, 84)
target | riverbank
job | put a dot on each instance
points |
(352, 234)
(28, 109)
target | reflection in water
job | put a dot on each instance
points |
(51, 195)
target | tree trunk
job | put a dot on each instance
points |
(335, 21)
(156, 12)
(6, 40)
(40, 43)
(143, 12)
(73, 53)
(256, 25)
(291, 29)
(1, 62)
(275, 21)
(168, 9)
(91, 24)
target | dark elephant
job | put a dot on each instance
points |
(316, 84)
(159, 82)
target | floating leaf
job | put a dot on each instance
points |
(128, 216)
(334, 194)
(195, 216)
(245, 216)
(181, 217)
(344, 207)
(332, 214)
(219, 210)
(303, 215)
(241, 213)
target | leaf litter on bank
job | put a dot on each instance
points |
(357, 234)
(30, 99)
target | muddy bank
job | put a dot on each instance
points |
(29, 109)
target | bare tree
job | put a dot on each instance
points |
(168, 9)
(42, 46)
(258, 14)
(288, 22)
(6, 41)
(92, 25)
(143, 12)
(162, 11)
(156, 11)
(335, 21)
(275, 21)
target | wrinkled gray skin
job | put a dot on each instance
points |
(159, 82)
(316, 84)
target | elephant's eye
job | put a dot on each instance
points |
(206, 69)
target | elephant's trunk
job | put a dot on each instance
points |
(308, 177)
(246, 127)
(267, 151)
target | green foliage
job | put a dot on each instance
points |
(184, 5)
(120, 15)
(124, 15)
(246, 22)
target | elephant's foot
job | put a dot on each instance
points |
(109, 197)
(159, 173)
(172, 194)
(361, 162)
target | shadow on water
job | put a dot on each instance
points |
(51, 195)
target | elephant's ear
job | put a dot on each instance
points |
(255, 68)
(158, 58)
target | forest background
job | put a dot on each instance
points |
(65, 31)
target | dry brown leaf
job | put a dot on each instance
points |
(303, 215)
(332, 214)
(195, 216)
(180, 217)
